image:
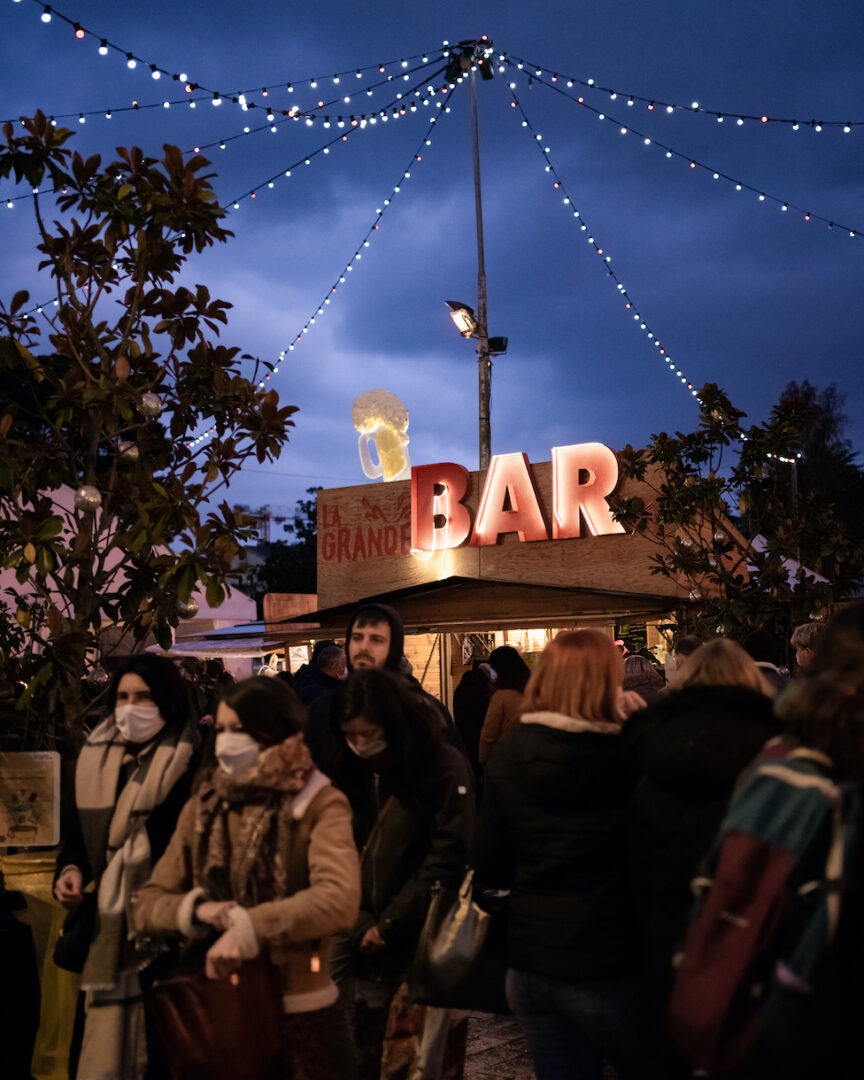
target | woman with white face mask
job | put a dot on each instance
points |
(412, 796)
(132, 779)
(263, 861)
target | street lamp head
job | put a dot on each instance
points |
(463, 316)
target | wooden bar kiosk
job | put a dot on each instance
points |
(475, 560)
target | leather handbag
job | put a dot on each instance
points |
(76, 935)
(218, 1029)
(460, 961)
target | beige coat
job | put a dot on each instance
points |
(505, 708)
(293, 931)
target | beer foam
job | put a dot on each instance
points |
(379, 408)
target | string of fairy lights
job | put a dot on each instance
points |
(236, 97)
(271, 110)
(270, 182)
(694, 163)
(394, 109)
(668, 107)
(407, 100)
(348, 268)
(576, 216)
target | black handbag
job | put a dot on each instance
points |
(218, 1029)
(460, 959)
(76, 935)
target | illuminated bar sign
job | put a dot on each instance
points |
(582, 476)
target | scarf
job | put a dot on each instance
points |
(118, 848)
(256, 867)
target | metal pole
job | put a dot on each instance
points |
(484, 363)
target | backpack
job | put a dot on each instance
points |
(747, 984)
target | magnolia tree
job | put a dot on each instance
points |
(108, 494)
(747, 519)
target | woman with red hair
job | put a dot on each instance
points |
(552, 831)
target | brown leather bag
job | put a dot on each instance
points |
(218, 1029)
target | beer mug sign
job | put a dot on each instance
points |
(382, 420)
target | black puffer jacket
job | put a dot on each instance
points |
(552, 829)
(687, 750)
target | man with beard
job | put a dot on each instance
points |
(375, 639)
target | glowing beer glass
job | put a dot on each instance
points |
(382, 420)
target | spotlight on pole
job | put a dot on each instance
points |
(463, 317)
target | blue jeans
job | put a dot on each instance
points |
(572, 1027)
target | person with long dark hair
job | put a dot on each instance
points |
(131, 780)
(508, 699)
(552, 831)
(263, 854)
(412, 798)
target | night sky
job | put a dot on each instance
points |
(737, 290)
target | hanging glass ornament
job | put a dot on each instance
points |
(720, 536)
(686, 542)
(151, 405)
(695, 594)
(128, 452)
(187, 609)
(88, 498)
(98, 680)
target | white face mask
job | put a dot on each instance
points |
(138, 723)
(370, 749)
(236, 751)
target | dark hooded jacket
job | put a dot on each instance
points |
(380, 613)
(687, 750)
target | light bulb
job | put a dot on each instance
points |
(103, 47)
(46, 15)
(130, 61)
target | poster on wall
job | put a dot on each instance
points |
(634, 636)
(30, 799)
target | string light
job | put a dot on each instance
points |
(348, 268)
(576, 216)
(670, 107)
(132, 60)
(235, 97)
(692, 163)
(310, 119)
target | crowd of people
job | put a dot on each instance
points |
(313, 823)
